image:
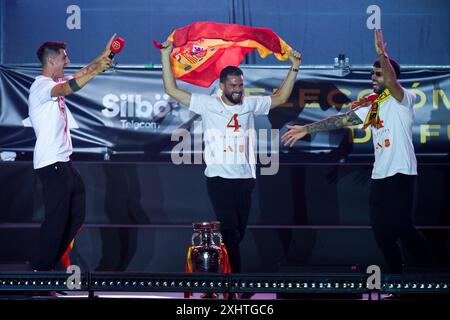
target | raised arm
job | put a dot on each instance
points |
(170, 85)
(388, 72)
(284, 91)
(332, 123)
(86, 74)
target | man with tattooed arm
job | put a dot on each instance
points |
(63, 189)
(389, 113)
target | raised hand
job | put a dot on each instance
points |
(296, 58)
(293, 134)
(167, 47)
(103, 63)
(380, 46)
(107, 49)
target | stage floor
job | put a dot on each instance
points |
(67, 295)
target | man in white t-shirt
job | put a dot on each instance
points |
(390, 115)
(229, 137)
(63, 189)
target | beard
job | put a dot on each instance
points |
(378, 88)
(234, 97)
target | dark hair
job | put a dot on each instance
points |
(49, 48)
(229, 71)
(394, 65)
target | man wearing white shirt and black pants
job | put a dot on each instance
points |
(228, 134)
(393, 186)
(63, 189)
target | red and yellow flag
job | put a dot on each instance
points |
(203, 49)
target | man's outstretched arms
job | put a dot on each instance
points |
(332, 123)
(86, 74)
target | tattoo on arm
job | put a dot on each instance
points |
(88, 69)
(83, 76)
(335, 122)
(353, 119)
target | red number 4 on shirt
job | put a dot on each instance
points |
(235, 124)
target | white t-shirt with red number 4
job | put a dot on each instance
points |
(48, 116)
(394, 149)
(229, 134)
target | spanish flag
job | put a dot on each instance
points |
(203, 49)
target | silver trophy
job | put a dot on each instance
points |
(207, 253)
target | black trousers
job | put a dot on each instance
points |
(231, 201)
(64, 201)
(392, 202)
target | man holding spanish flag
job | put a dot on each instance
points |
(390, 114)
(228, 121)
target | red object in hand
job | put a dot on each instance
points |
(116, 46)
(157, 45)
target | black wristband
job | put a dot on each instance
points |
(74, 85)
(293, 69)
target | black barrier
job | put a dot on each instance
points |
(429, 283)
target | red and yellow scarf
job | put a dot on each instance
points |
(372, 117)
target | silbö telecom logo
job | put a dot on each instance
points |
(135, 112)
